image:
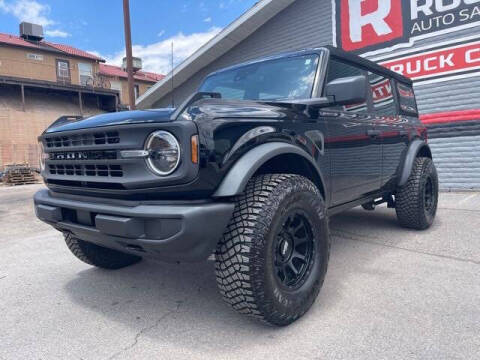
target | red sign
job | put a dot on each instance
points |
(435, 63)
(378, 26)
(369, 22)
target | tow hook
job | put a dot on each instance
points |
(390, 201)
(370, 206)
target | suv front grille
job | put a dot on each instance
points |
(86, 170)
(91, 158)
(83, 155)
(89, 139)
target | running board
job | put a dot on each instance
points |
(386, 198)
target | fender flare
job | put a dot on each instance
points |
(415, 147)
(236, 180)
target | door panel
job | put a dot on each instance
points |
(394, 134)
(353, 143)
(355, 155)
(395, 139)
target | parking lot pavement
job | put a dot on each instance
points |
(390, 293)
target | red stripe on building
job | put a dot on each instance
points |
(450, 116)
(459, 58)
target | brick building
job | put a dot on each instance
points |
(117, 80)
(41, 81)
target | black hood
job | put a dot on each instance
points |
(236, 109)
(117, 118)
(209, 108)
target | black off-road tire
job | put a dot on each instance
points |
(245, 258)
(99, 256)
(415, 208)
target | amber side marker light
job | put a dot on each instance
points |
(194, 144)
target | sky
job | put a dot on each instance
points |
(97, 25)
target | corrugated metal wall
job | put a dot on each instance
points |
(308, 23)
(456, 150)
(455, 146)
(461, 94)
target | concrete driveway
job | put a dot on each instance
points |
(390, 293)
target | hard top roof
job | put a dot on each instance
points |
(366, 63)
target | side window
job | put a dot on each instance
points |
(406, 98)
(85, 72)
(382, 95)
(337, 70)
(136, 90)
(63, 70)
(116, 85)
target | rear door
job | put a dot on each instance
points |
(393, 128)
(352, 142)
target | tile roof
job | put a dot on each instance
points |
(70, 50)
(111, 70)
(46, 46)
(74, 51)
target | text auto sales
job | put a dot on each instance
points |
(449, 12)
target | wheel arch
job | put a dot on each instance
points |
(418, 148)
(275, 157)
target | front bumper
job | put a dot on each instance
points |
(167, 231)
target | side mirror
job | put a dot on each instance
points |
(348, 90)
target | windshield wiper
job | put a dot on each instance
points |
(194, 98)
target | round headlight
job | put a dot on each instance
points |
(163, 153)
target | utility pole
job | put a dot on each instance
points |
(173, 88)
(128, 47)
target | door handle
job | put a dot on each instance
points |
(374, 133)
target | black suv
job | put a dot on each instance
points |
(249, 168)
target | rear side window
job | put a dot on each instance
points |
(406, 98)
(337, 70)
(382, 95)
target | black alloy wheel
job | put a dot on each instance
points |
(272, 260)
(429, 195)
(416, 202)
(293, 253)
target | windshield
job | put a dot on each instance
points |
(279, 79)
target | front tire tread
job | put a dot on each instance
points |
(99, 256)
(239, 255)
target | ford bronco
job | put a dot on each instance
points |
(249, 169)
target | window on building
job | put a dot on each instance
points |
(337, 70)
(137, 91)
(63, 70)
(407, 99)
(382, 95)
(85, 72)
(116, 85)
